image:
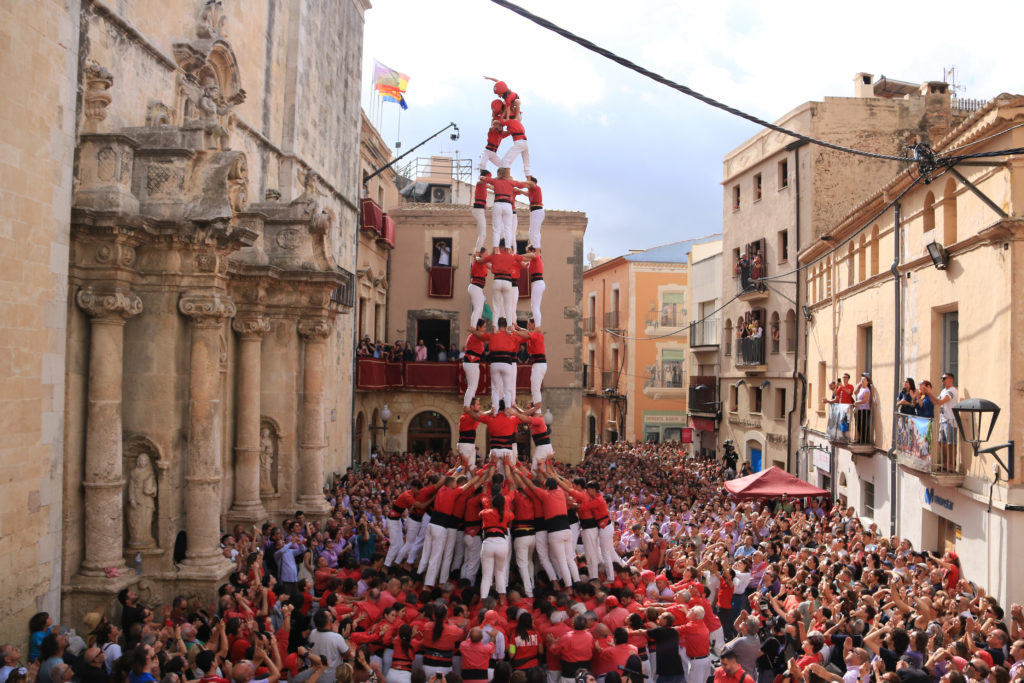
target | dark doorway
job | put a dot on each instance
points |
(591, 430)
(434, 333)
(430, 431)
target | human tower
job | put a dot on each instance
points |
(477, 518)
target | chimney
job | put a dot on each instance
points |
(862, 85)
(938, 116)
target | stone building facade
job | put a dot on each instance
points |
(187, 360)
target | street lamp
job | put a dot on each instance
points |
(385, 415)
(973, 415)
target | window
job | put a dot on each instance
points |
(673, 309)
(780, 404)
(950, 344)
(928, 216)
(774, 332)
(755, 399)
(828, 278)
(757, 187)
(949, 213)
(380, 196)
(791, 331)
(849, 265)
(862, 252)
(672, 361)
(588, 380)
(866, 344)
(734, 399)
(727, 342)
(822, 384)
(784, 173)
(874, 250)
(868, 500)
(782, 243)
(441, 251)
(735, 197)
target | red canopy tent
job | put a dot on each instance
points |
(772, 483)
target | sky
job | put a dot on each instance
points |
(644, 161)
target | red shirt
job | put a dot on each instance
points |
(551, 658)
(472, 516)
(609, 657)
(536, 268)
(536, 198)
(476, 655)
(492, 522)
(401, 504)
(552, 502)
(574, 646)
(527, 651)
(524, 509)
(694, 635)
(844, 393)
(474, 349)
(477, 276)
(503, 188)
(501, 264)
(494, 138)
(480, 192)
(535, 345)
(501, 427)
(515, 127)
(423, 496)
(444, 503)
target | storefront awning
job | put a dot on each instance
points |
(703, 424)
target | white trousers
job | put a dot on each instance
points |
(448, 555)
(519, 147)
(544, 555)
(477, 299)
(524, 547)
(503, 383)
(472, 371)
(592, 551)
(490, 156)
(500, 293)
(493, 560)
(536, 296)
(398, 676)
(502, 456)
(395, 540)
(480, 216)
(436, 537)
(511, 303)
(471, 557)
(540, 454)
(537, 372)
(467, 451)
(606, 547)
(700, 670)
(427, 544)
(509, 230)
(561, 555)
(501, 212)
(574, 529)
(460, 551)
(408, 552)
(536, 220)
(718, 640)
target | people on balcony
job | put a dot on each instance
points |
(924, 405)
(905, 401)
(948, 398)
(863, 409)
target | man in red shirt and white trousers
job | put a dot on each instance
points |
(503, 209)
(694, 637)
(471, 367)
(519, 147)
(539, 431)
(503, 364)
(503, 296)
(399, 505)
(495, 134)
(536, 197)
(479, 210)
(539, 368)
(536, 265)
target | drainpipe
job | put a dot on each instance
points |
(897, 357)
(797, 375)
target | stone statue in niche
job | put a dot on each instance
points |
(268, 452)
(214, 110)
(141, 502)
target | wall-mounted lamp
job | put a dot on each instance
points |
(938, 255)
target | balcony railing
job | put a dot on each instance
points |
(703, 394)
(704, 333)
(375, 374)
(664, 381)
(609, 379)
(588, 326)
(371, 216)
(918, 447)
(749, 352)
(850, 427)
(666, 319)
(611, 320)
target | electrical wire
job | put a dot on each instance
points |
(985, 139)
(622, 61)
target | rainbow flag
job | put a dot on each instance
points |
(386, 79)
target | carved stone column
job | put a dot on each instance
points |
(313, 446)
(103, 480)
(247, 506)
(202, 491)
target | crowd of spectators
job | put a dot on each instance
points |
(772, 591)
(412, 353)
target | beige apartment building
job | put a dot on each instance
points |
(179, 230)
(704, 407)
(409, 296)
(636, 326)
(779, 197)
(953, 306)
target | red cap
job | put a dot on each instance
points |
(953, 555)
(987, 656)
(647, 575)
(497, 106)
(611, 601)
(500, 88)
(960, 663)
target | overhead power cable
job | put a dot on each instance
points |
(622, 61)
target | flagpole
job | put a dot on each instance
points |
(399, 136)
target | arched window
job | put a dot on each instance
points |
(775, 332)
(849, 265)
(949, 213)
(928, 214)
(828, 277)
(790, 331)
(874, 250)
(728, 337)
(862, 254)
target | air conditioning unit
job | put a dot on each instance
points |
(440, 194)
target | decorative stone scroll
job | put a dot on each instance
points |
(111, 304)
(206, 309)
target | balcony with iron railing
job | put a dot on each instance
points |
(750, 354)
(666, 318)
(611, 320)
(665, 383)
(850, 428)
(702, 398)
(704, 333)
(919, 447)
(609, 380)
(588, 325)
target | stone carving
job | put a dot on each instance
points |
(289, 238)
(108, 304)
(251, 326)
(212, 107)
(164, 178)
(106, 164)
(158, 114)
(268, 458)
(206, 309)
(206, 262)
(238, 188)
(127, 160)
(272, 195)
(211, 21)
(321, 222)
(96, 99)
(315, 329)
(141, 503)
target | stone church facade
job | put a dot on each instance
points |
(179, 225)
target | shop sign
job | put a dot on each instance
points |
(821, 460)
(931, 498)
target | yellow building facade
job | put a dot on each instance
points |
(880, 303)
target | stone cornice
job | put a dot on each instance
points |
(250, 326)
(315, 329)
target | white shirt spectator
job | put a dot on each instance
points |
(328, 643)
